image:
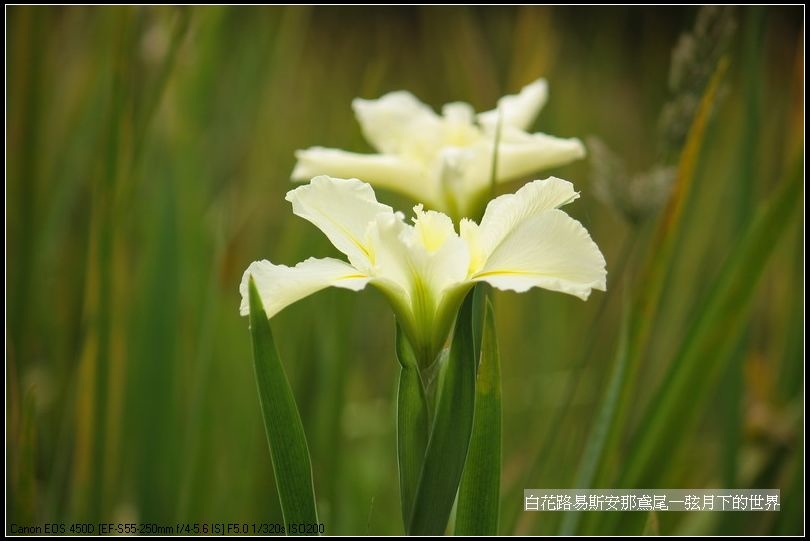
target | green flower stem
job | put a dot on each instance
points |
(450, 435)
(412, 424)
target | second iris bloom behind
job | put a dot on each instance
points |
(444, 161)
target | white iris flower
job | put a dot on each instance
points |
(444, 161)
(425, 268)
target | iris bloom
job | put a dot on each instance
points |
(425, 268)
(444, 161)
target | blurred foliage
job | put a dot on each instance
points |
(148, 153)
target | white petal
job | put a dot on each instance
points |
(421, 260)
(279, 285)
(440, 263)
(451, 173)
(518, 110)
(506, 212)
(458, 128)
(549, 250)
(398, 123)
(421, 268)
(342, 209)
(389, 256)
(470, 232)
(521, 155)
(383, 170)
(439, 256)
(458, 112)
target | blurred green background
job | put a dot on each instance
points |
(148, 154)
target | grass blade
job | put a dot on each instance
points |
(705, 351)
(450, 435)
(745, 189)
(656, 270)
(596, 440)
(479, 493)
(285, 433)
(412, 424)
(651, 527)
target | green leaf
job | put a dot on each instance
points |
(651, 526)
(412, 424)
(479, 494)
(285, 433)
(706, 351)
(597, 438)
(656, 270)
(450, 434)
(480, 300)
(732, 395)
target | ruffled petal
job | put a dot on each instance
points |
(279, 286)
(518, 110)
(506, 212)
(521, 155)
(342, 209)
(386, 171)
(549, 250)
(398, 123)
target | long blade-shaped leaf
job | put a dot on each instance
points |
(412, 424)
(651, 526)
(656, 270)
(479, 493)
(599, 432)
(480, 301)
(450, 435)
(285, 433)
(706, 350)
